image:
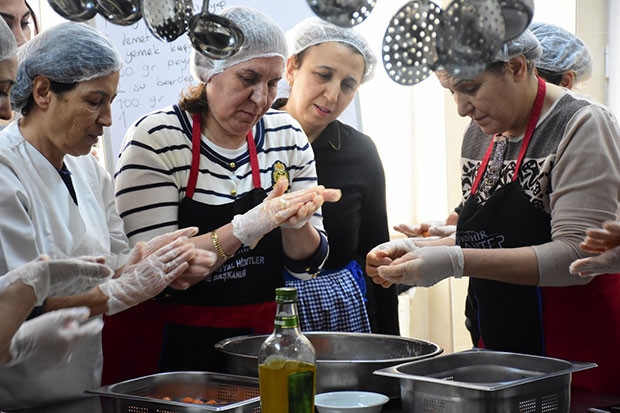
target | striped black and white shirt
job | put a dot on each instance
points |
(155, 160)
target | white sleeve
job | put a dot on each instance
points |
(17, 233)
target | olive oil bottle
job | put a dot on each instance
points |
(287, 362)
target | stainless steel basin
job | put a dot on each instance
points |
(345, 361)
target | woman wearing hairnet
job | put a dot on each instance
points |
(540, 166)
(565, 60)
(24, 287)
(326, 66)
(59, 203)
(210, 161)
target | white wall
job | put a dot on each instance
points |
(613, 55)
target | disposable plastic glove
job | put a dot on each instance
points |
(199, 267)
(396, 248)
(276, 210)
(59, 277)
(431, 228)
(142, 280)
(605, 263)
(424, 266)
(384, 254)
(144, 249)
(50, 339)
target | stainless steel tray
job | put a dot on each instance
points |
(485, 381)
(144, 394)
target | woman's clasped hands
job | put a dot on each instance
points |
(402, 262)
(280, 209)
(151, 267)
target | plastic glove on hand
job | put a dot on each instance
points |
(605, 263)
(274, 211)
(601, 240)
(201, 266)
(144, 249)
(424, 266)
(147, 278)
(50, 339)
(59, 276)
(431, 228)
(384, 254)
(306, 211)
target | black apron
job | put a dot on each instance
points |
(500, 315)
(178, 329)
(576, 323)
(249, 278)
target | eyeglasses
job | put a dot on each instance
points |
(493, 172)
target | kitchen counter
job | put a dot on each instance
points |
(580, 402)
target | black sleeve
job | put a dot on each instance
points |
(382, 303)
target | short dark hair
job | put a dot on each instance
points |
(549, 76)
(56, 87)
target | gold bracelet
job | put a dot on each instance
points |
(218, 247)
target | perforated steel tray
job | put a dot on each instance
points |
(145, 394)
(485, 381)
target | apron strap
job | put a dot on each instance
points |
(529, 131)
(253, 160)
(531, 125)
(193, 173)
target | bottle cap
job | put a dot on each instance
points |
(286, 294)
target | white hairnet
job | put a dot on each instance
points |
(562, 51)
(66, 53)
(525, 44)
(313, 31)
(263, 38)
(8, 44)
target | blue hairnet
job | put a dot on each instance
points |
(66, 53)
(525, 44)
(313, 31)
(562, 51)
(263, 38)
(8, 44)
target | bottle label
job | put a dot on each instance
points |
(286, 322)
(301, 392)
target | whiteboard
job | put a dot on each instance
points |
(155, 72)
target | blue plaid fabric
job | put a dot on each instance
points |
(332, 301)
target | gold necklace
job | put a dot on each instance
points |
(339, 140)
